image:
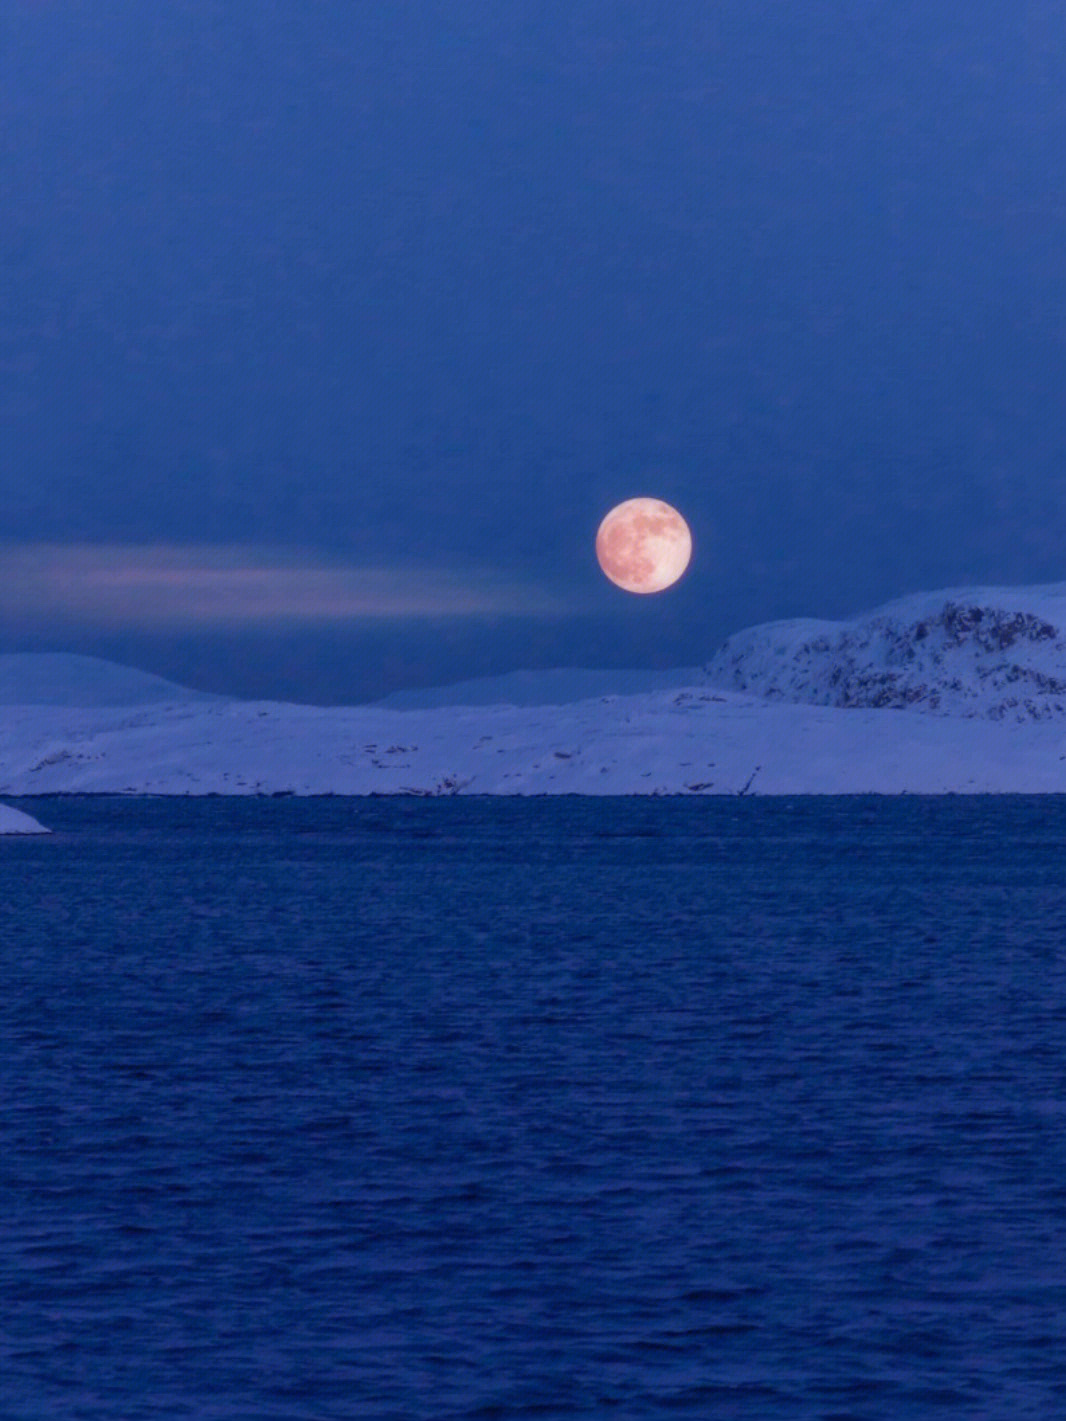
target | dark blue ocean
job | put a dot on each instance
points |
(554, 1108)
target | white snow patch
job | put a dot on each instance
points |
(13, 821)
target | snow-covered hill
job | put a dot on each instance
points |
(830, 717)
(994, 652)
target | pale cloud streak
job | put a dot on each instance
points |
(153, 585)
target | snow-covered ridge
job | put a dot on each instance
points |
(994, 653)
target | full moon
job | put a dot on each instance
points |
(643, 545)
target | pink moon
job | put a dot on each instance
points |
(643, 545)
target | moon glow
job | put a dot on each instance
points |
(643, 545)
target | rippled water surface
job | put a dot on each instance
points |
(430, 1109)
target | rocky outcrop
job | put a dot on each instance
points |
(946, 654)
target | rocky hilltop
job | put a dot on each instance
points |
(994, 653)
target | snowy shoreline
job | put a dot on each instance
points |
(14, 821)
(684, 742)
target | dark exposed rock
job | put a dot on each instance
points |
(887, 663)
(1001, 630)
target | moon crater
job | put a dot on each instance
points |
(643, 545)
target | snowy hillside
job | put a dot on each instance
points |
(796, 708)
(993, 652)
(682, 742)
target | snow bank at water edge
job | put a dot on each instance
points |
(13, 821)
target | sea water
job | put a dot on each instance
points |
(471, 1108)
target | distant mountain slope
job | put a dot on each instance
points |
(60, 679)
(998, 653)
(559, 687)
(993, 653)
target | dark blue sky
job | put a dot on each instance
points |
(329, 331)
